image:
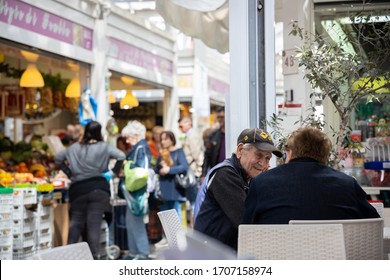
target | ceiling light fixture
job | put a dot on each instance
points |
(31, 77)
(129, 101)
(73, 90)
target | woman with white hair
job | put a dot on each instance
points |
(137, 236)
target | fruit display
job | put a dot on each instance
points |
(23, 177)
(38, 170)
(25, 162)
(6, 178)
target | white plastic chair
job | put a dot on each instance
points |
(194, 245)
(286, 242)
(363, 237)
(378, 207)
(172, 226)
(76, 251)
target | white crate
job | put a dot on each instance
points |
(23, 226)
(6, 216)
(44, 237)
(43, 246)
(23, 253)
(43, 210)
(6, 248)
(6, 240)
(6, 256)
(43, 222)
(6, 221)
(23, 240)
(6, 199)
(5, 232)
(6, 208)
(20, 213)
(25, 196)
(43, 225)
(6, 224)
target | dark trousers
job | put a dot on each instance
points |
(86, 213)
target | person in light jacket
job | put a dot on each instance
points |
(194, 151)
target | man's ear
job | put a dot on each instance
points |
(239, 150)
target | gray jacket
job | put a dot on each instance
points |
(89, 160)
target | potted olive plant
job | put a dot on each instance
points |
(345, 77)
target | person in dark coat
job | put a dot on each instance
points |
(305, 188)
(214, 145)
(171, 195)
(219, 204)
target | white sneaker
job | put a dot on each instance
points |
(162, 243)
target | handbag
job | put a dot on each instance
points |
(137, 201)
(136, 177)
(185, 180)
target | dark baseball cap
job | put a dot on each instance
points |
(260, 138)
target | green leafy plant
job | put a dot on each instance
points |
(344, 76)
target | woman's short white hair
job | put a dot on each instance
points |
(134, 128)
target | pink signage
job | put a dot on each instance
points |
(139, 57)
(218, 86)
(25, 16)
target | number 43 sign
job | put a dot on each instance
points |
(290, 62)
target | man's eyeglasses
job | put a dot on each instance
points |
(220, 117)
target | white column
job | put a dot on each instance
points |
(300, 11)
(237, 101)
(269, 49)
(242, 110)
(200, 96)
(171, 112)
(99, 71)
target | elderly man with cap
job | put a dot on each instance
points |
(219, 205)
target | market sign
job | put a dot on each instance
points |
(136, 56)
(218, 86)
(25, 16)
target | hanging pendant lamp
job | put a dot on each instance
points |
(31, 77)
(129, 101)
(111, 97)
(73, 90)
